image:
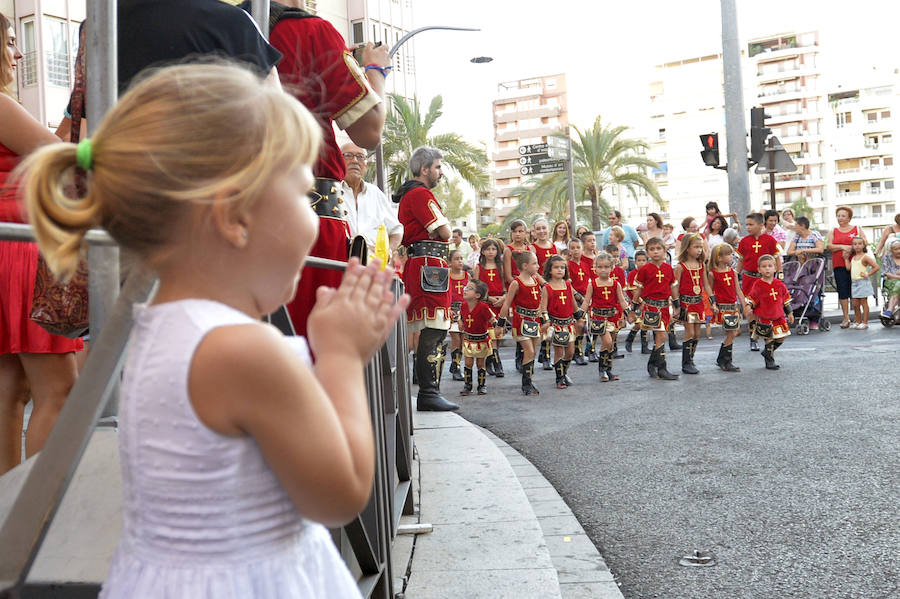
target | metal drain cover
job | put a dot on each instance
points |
(698, 559)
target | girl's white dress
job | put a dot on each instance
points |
(204, 516)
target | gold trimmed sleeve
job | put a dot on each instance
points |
(362, 103)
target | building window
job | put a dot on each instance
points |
(871, 117)
(888, 161)
(889, 184)
(843, 118)
(661, 134)
(357, 35)
(876, 210)
(56, 42)
(885, 114)
(29, 52)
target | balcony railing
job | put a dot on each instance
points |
(29, 69)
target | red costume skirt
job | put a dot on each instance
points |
(780, 328)
(18, 333)
(424, 305)
(747, 283)
(695, 312)
(649, 320)
(517, 320)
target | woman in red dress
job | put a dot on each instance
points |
(33, 363)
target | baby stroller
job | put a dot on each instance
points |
(888, 321)
(806, 283)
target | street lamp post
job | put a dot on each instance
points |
(379, 151)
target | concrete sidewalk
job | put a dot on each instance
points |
(500, 530)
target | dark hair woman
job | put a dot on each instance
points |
(839, 242)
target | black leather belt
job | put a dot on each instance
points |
(656, 303)
(561, 322)
(474, 337)
(604, 312)
(752, 274)
(526, 312)
(325, 198)
(431, 249)
(690, 299)
(728, 307)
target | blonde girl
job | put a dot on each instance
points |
(561, 236)
(605, 298)
(523, 300)
(728, 297)
(518, 242)
(232, 446)
(558, 317)
(691, 282)
(459, 278)
(862, 266)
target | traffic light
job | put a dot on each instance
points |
(710, 153)
(758, 133)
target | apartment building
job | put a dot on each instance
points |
(526, 111)
(384, 21)
(785, 73)
(47, 32)
(860, 150)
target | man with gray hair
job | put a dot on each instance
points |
(426, 274)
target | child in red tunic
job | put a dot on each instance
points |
(558, 317)
(655, 285)
(459, 278)
(755, 244)
(523, 299)
(476, 320)
(729, 299)
(640, 259)
(580, 276)
(543, 248)
(770, 301)
(517, 243)
(490, 271)
(617, 275)
(692, 283)
(606, 301)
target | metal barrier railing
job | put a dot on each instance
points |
(31, 493)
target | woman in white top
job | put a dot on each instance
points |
(234, 451)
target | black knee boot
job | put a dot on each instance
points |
(751, 326)
(609, 364)
(645, 346)
(661, 371)
(566, 377)
(615, 348)
(593, 354)
(415, 374)
(673, 340)
(544, 356)
(560, 375)
(527, 387)
(602, 359)
(518, 357)
(429, 359)
(579, 351)
(482, 381)
(467, 386)
(498, 365)
(630, 339)
(489, 364)
(725, 355)
(455, 359)
(768, 354)
(687, 358)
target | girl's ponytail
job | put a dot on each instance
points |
(60, 219)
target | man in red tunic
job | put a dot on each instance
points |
(320, 71)
(426, 275)
(755, 244)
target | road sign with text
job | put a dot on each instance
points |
(549, 166)
(533, 149)
(557, 142)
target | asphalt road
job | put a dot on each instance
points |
(790, 478)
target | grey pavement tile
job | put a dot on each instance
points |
(473, 503)
(590, 590)
(543, 494)
(560, 525)
(456, 445)
(543, 509)
(576, 559)
(491, 546)
(508, 451)
(401, 550)
(526, 469)
(534, 482)
(488, 472)
(432, 420)
(484, 584)
(518, 460)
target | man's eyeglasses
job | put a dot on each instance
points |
(358, 157)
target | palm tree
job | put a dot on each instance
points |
(603, 158)
(406, 129)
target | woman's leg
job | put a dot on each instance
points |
(13, 397)
(864, 308)
(50, 377)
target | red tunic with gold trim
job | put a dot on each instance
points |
(542, 255)
(618, 275)
(527, 297)
(580, 276)
(725, 289)
(656, 285)
(629, 284)
(420, 216)
(561, 305)
(512, 259)
(606, 298)
(588, 264)
(691, 284)
(492, 278)
(476, 326)
(456, 293)
(768, 301)
(314, 51)
(750, 249)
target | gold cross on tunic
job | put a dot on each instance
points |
(727, 279)
(773, 293)
(756, 246)
(660, 276)
(459, 287)
(534, 292)
(490, 273)
(562, 298)
(606, 292)
(695, 276)
(580, 275)
(469, 321)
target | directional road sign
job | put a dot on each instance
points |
(775, 159)
(534, 159)
(557, 142)
(552, 166)
(558, 153)
(532, 149)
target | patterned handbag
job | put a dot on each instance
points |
(61, 308)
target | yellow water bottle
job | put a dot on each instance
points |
(382, 248)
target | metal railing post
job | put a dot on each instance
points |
(260, 11)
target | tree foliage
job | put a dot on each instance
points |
(603, 158)
(450, 196)
(407, 128)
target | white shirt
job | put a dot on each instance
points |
(368, 210)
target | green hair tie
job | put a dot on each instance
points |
(84, 156)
